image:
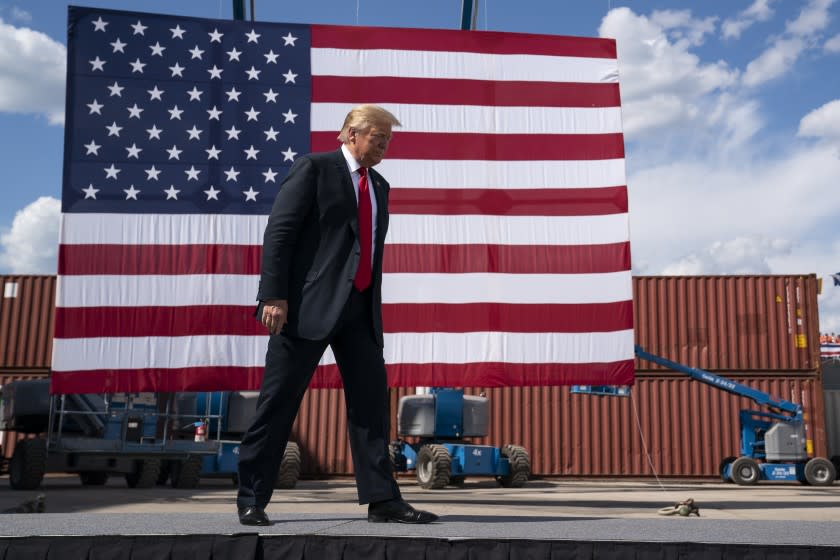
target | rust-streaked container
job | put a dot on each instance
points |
(27, 312)
(8, 440)
(679, 426)
(729, 323)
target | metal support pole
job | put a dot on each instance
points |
(239, 9)
(467, 19)
(252, 10)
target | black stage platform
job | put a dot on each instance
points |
(162, 536)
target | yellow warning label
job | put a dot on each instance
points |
(809, 446)
(778, 299)
(801, 341)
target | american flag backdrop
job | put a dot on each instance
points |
(507, 258)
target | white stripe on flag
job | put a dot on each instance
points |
(248, 351)
(508, 230)
(507, 288)
(483, 119)
(478, 174)
(232, 229)
(463, 65)
(162, 229)
(208, 289)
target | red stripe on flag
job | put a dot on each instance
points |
(227, 378)
(159, 259)
(192, 320)
(190, 259)
(488, 42)
(223, 378)
(493, 374)
(230, 320)
(448, 91)
(520, 318)
(493, 147)
(509, 259)
(509, 202)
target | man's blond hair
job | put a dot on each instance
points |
(363, 117)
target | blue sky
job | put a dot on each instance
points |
(731, 113)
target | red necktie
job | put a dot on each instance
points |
(363, 273)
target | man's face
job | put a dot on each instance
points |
(369, 147)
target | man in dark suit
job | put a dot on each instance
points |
(321, 285)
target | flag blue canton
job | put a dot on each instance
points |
(175, 115)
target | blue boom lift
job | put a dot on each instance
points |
(773, 444)
(437, 423)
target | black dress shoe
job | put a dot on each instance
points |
(253, 515)
(398, 511)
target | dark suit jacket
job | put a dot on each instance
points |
(311, 244)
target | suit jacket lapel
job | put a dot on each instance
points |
(346, 190)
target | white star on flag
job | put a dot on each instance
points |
(290, 76)
(212, 193)
(232, 174)
(252, 36)
(154, 132)
(114, 130)
(139, 28)
(289, 116)
(233, 54)
(192, 173)
(215, 36)
(90, 192)
(157, 49)
(196, 53)
(152, 173)
(269, 175)
(97, 64)
(174, 152)
(171, 192)
(194, 133)
(251, 194)
(289, 40)
(271, 134)
(289, 155)
(271, 96)
(131, 192)
(155, 93)
(134, 112)
(116, 89)
(95, 107)
(111, 172)
(212, 152)
(119, 46)
(99, 24)
(92, 148)
(133, 151)
(195, 94)
(270, 57)
(251, 153)
(177, 32)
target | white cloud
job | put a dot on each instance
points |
(833, 44)
(663, 84)
(774, 62)
(823, 122)
(681, 209)
(741, 255)
(19, 14)
(800, 35)
(759, 10)
(32, 73)
(813, 18)
(31, 245)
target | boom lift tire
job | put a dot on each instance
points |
(520, 467)
(726, 461)
(745, 471)
(433, 466)
(289, 472)
(29, 461)
(145, 474)
(185, 474)
(820, 472)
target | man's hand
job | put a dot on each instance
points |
(274, 314)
